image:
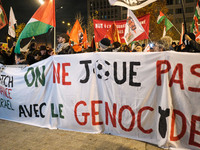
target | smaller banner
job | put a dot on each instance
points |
(132, 4)
(133, 27)
(101, 28)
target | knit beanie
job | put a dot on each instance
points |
(104, 43)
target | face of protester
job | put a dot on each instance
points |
(138, 48)
(61, 40)
(43, 52)
(156, 48)
(37, 57)
(100, 48)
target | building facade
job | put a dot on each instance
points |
(101, 9)
(175, 9)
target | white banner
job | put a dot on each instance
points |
(131, 4)
(151, 97)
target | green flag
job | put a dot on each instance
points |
(167, 26)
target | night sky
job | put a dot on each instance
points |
(24, 10)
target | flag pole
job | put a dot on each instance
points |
(54, 42)
(183, 8)
(175, 27)
(54, 39)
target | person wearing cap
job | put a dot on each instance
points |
(43, 52)
(104, 45)
(63, 46)
(192, 43)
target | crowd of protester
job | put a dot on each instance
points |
(35, 53)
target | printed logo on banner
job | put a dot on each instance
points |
(102, 69)
(163, 121)
(6, 85)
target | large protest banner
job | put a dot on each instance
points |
(152, 97)
(101, 28)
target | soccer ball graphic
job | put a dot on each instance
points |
(102, 69)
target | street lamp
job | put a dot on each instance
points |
(41, 2)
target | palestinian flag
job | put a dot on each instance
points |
(167, 26)
(160, 17)
(196, 17)
(3, 17)
(40, 23)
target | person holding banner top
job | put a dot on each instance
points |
(191, 41)
(63, 46)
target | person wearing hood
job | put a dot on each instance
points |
(104, 45)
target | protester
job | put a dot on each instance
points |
(126, 48)
(20, 59)
(158, 46)
(174, 46)
(181, 48)
(143, 47)
(30, 58)
(166, 42)
(137, 48)
(104, 45)
(63, 46)
(194, 46)
(50, 52)
(36, 56)
(43, 52)
(8, 57)
(116, 47)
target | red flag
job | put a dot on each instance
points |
(76, 33)
(3, 17)
(113, 34)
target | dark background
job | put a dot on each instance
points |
(24, 10)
